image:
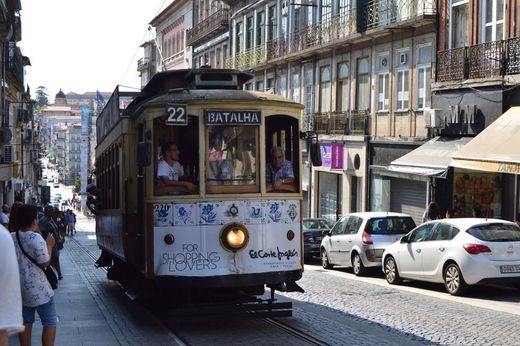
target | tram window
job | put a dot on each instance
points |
(231, 159)
(176, 155)
(283, 153)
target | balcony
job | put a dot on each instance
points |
(143, 63)
(14, 66)
(486, 60)
(394, 13)
(342, 123)
(210, 27)
(322, 34)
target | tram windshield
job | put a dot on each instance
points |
(232, 153)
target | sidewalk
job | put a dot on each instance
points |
(93, 310)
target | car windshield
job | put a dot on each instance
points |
(495, 232)
(316, 224)
(390, 225)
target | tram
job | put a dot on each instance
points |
(211, 224)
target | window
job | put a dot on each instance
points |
(231, 157)
(493, 20)
(259, 85)
(353, 224)
(340, 227)
(342, 93)
(239, 37)
(270, 83)
(281, 87)
(271, 29)
(250, 33)
(309, 88)
(402, 90)
(176, 153)
(496, 232)
(458, 34)
(363, 85)
(326, 10)
(391, 225)
(260, 28)
(382, 91)
(443, 231)
(325, 89)
(424, 77)
(422, 233)
(282, 153)
(295, 87)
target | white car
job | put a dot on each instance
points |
(358, 240)
(457, 252)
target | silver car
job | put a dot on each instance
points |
(358, 240)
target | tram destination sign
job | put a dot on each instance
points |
(176, 114)
(227, 117)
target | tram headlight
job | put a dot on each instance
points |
(234, 236)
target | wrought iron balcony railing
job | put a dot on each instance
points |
(214, 24)
(338, 27)
(143, 63)
(14, 59)
(380, 13)
(342, 123)
(490, 59)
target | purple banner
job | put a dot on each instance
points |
(337, 156)
(332, 156)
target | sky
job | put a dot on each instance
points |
(81, 46)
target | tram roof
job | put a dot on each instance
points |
(201, 84)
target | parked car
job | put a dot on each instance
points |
(313, 234)
(358, 240)
(456, 252)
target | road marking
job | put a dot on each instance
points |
(511, 306)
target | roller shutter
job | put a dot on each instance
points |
(408, 197)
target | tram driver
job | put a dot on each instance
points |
(170, 172)
(280, 174)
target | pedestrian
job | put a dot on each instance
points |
(4, 215)
(12, 219)
(477, 212)
(37, 293)
(73, 218)
(48, 226)
(518, 219)
(450, 214)
(431, 213)
(11, 321)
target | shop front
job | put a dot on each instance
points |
(330, 182)
(487, 169)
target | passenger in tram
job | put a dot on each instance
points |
(280, 174)
(170, 172)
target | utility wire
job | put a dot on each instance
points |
(132, 61)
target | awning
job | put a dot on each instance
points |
(430, 159)
(496, 149)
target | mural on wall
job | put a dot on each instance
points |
(482, 190)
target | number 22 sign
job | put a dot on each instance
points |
(176, 114)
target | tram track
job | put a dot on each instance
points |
(187, 337)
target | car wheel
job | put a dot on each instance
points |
(453, 280)
(391, 272)
(325, 260)
(357, 265)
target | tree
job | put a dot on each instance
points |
(77, 186)
(42, 97)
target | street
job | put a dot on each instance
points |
(337, 308)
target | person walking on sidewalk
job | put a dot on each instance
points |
(48, 226)
(37, 294)
(11, 321)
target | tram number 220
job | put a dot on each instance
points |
(176, 114)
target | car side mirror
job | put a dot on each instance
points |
(404, 239)
(326, 232)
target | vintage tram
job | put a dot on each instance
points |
(184, 197)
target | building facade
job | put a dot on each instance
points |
(362, 69)
(476, 81)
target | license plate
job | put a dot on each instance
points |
(509, 269)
